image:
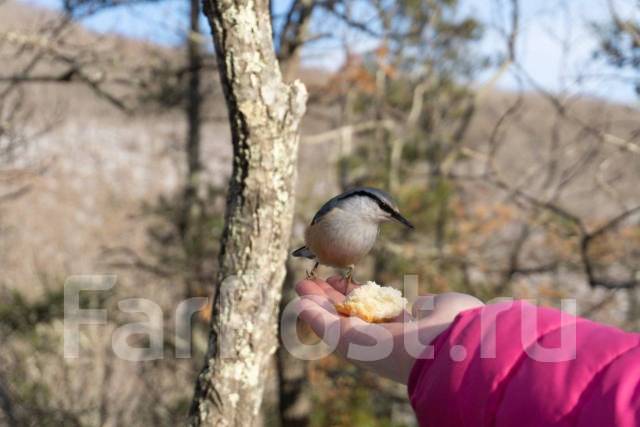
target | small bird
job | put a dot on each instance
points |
(345, 228)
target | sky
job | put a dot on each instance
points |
(555, 45)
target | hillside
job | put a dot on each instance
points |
(102, 163)
(100, 180)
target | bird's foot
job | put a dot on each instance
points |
(312, 274)
(348, 277)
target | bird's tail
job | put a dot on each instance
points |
(303, 252)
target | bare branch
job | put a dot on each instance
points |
(336, 133)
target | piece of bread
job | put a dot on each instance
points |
(373, 303)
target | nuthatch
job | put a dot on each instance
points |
(346, 227)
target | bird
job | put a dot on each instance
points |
(346, 227)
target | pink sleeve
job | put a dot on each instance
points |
(513, 363)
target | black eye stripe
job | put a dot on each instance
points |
(381, 203)
(385, 207)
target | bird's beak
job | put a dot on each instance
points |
(402, 220)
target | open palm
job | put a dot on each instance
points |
(388, 349)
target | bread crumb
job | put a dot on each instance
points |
(373, 303)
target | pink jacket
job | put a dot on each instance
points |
(549, 369)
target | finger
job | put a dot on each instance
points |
(319, 314)
(309, 287)
(337, 331)
(341, 284)
(319, 287)
(335, 296)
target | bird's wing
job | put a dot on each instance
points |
(326, 208)
(303, 252)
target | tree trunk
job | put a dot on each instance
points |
(191, 205)
(264, 114)
(294, 35)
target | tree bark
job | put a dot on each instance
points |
(264, 114)
(191, 205)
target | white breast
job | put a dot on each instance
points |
(341, 239)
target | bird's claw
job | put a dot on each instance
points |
(312, 274)
(348, 277)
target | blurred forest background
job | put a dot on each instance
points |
(115, 157)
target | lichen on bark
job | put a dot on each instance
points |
(264, 114)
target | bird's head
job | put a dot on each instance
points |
(371, 204)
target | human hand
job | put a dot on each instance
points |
(389, 349)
